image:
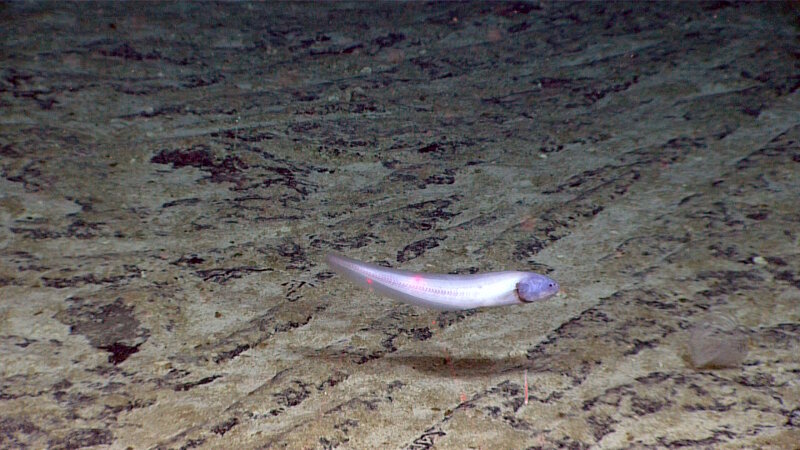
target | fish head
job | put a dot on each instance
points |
(534, 287)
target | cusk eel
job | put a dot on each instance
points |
(446, 292)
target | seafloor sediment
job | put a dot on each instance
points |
(173, 175)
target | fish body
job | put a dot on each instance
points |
(444, 291)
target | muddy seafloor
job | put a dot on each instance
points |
(173, 175)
